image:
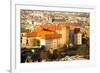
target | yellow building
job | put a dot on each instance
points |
(52, 36)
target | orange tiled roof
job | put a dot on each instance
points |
(48, 35)
(45, 32)
(51, 27)
(31, 34)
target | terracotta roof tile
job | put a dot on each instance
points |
(46, 31)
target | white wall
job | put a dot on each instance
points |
(5, 36)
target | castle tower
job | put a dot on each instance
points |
(65, 35)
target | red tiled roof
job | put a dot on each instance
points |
(48, 35)
(46, 31)
(31, 34)
(44, 34)
(51, 27)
